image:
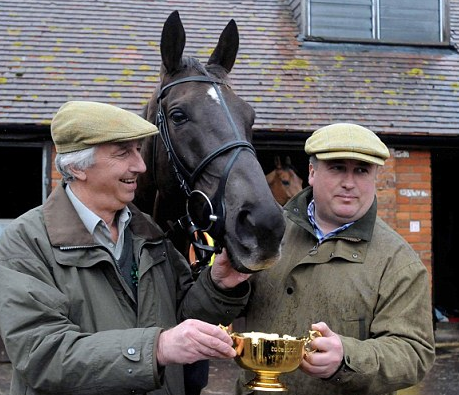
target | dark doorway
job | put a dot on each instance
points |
(22, 178)
(445, 229)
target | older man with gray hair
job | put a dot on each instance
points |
(94, 298)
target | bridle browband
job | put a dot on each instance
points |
(186, 179)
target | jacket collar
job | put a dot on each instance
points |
(65, 227)
(362, 229)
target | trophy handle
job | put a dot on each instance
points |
(307, 344)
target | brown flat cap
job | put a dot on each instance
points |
(83, 124)
(347, 141)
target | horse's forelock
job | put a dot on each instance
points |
(219, 72)
(209, 70)
(191, 63)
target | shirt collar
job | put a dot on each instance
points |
(88, 217)
(317, 231)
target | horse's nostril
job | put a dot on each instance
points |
(243, 218)
(257, 231)
(246, 229)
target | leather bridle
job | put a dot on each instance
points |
(213, 208)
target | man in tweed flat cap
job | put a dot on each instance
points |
(346, 273)
(94, 298)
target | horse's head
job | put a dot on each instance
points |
(205, 157)
(284, 180)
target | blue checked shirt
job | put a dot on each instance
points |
(318, 232)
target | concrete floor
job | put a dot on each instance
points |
(443, 379)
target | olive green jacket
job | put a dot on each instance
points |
(367, 284)
(69, 321)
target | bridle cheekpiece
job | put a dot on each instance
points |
(212, 217)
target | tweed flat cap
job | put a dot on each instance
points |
(83, 124)
(347, 141)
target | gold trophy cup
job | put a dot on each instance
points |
(269, 355)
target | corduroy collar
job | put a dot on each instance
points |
(65, 227)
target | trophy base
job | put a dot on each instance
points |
(266, 382)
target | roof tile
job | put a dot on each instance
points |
(55, 51)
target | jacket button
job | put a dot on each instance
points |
(131, 351)
(289, 290)
(354, 256)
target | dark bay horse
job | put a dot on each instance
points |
(202, 170)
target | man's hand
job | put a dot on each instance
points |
(223, 274)
(191, 341)
(327, 360)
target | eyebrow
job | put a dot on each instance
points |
(126, 144)
(360, 163)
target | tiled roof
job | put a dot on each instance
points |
(60, 50)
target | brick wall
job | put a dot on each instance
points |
(405, 199)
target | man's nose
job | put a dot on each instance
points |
(139, 163)
(348, 178)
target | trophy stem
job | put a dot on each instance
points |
(266, 381)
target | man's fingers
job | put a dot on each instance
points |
(215, 346)
(323, 328)
(209, 340)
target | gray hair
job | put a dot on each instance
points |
(79, 160)
(313, 160)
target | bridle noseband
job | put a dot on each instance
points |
(213, 210)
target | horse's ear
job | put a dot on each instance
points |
(277, 162)
(172, 42)
(225, 52)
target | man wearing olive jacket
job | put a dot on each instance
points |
(94, 299)
(347, 274)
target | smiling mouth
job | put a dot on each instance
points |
(128, 180)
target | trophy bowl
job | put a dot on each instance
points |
(269, 355)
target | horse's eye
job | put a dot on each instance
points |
(178, 117)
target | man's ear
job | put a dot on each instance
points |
(311, 174)
(78, 174)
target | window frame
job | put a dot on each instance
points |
(444, 28)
